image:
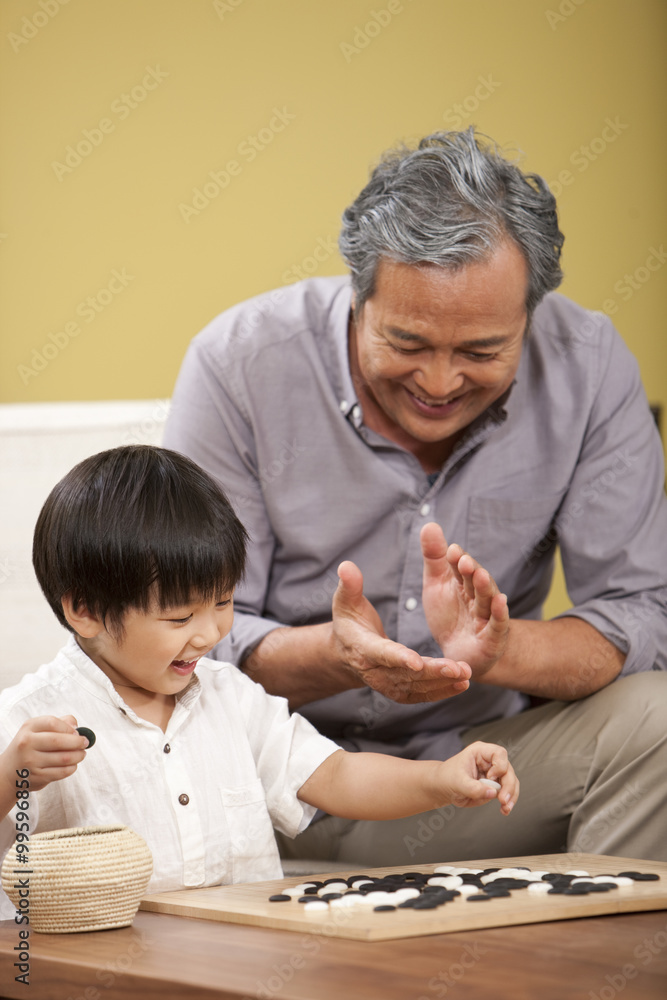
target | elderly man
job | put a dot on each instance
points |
(442, 395)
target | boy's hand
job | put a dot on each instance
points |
(482, 760)
(50, 748)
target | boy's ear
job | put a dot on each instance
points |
(82, 621)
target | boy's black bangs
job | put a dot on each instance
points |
(133, 526)
(180, 548)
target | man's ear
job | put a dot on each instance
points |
(82, 621)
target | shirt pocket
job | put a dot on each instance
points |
(254, 852)
(514, 540)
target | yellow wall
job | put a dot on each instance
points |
(169, 91)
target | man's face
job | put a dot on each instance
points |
(435, 347)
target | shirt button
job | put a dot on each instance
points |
(166, 748)
(343, 405)
(411, 604)
(356, 412)
(425, 509)
(184, 799)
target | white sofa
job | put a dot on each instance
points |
(39, 443)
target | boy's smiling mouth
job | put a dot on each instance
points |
(184, 666)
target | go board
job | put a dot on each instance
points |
(249, 903)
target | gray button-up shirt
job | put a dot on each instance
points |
(570, 455)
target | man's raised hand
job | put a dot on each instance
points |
(464, 609)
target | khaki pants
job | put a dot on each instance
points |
(593, 779)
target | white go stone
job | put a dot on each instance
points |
(468, 890)
(620, 880)
(379, 898)
(344, 901)
(315, 906)
(582, 874)
(490, 783)
(294, 891)
(538, 887)
(407, 893)
(446, 881)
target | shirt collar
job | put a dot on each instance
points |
(338, 321)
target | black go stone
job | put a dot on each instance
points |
(509, 883)
(478, 899)
(384, 908)
(436, 897)
(640, 876)
(279, 898)
(326, 896)
(408, 904)
(311, 890)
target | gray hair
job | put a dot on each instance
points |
(451, 201)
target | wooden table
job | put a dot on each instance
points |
(166, 957)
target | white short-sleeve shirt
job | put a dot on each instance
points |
(205, 795)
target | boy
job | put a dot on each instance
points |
(138, 552)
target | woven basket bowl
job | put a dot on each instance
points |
(87, 878)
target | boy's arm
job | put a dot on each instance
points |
(379, 786)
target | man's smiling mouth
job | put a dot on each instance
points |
(435, 404)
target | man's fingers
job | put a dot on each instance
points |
(499, 615)
(484, 591)
(434, 552)
(454, 553)
(456, 670)
(350, 589)
(467, 568)
(381, 652)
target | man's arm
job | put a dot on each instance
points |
(565, 659)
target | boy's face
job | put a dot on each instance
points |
(159, 648)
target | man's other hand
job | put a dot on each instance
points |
(388, 667)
